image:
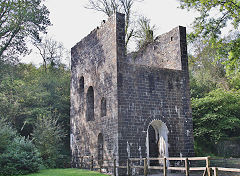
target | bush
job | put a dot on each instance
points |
(48, 137)
(215, 117)
(21, 157)
(17, 154)
(7, 134)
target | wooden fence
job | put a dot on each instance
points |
(207, 170)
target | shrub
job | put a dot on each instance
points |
(215, 117)
(7, 134)
(48, 138)
(20, 157)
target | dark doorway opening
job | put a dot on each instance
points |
(100, 149)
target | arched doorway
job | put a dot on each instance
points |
(100, 149)
(157, 140)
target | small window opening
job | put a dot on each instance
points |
(103, 107)
(90, 104)
(151, 83)
(81, 85)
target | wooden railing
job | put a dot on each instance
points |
(165, 168)
(164, 161)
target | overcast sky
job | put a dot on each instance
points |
(71, 21)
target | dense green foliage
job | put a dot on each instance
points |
(27, 92)
(214, 72)
(7, 135)
(35, 101)
(66, 172)
(17, 155)
(216, 116)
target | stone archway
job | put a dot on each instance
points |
(157, 140)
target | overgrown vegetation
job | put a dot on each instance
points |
(36, 103)
(214, 72)
(18, 155)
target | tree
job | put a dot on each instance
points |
(20, 21)
(206, 73)
(110, 7)
(145, 32)
(214, 16)
(50, 50)
(207, 25)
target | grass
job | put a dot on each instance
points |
(66, 172)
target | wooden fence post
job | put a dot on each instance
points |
(114, 168)
(208, 166)
(92, 163)
(164, 166)
(215, 171)
(128, 167)
(145, 167)
(100, 165)
(187, 167)
(80, 165)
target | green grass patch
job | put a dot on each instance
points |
(66, 172)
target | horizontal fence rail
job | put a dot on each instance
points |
(207, 170)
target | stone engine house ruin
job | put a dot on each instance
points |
(135, 105)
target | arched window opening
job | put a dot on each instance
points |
(81, 85)
(103, 107)
(100, 149)
(90, 104)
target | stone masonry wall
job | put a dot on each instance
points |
(164, 52)
(95, 59)
(152, 84)
(155, 86)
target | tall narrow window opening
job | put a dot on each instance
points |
(81, 85)
(90, 104)
(103, 107)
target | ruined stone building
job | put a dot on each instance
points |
(135, 105)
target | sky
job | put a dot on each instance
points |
(71, 21)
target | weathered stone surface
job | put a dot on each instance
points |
(138, 89)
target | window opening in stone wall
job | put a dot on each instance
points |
(100, 149)
(81, 93)
(151, 83)
(90, 104)
(103, 107)
(81, 85)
